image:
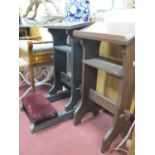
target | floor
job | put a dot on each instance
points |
(65, 138)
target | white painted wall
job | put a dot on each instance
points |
(94, 4)
(46, 36)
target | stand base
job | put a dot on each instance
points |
(62, 116)
(58, 96)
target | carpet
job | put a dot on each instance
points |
(65, 138)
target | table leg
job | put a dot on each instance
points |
(124, 100)
(89, 78)
(59, 38)
(76, 73)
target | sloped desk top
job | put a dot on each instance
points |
(120, 33)
(67, 25)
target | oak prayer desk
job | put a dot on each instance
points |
(91, 101)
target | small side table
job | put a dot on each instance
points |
(92, 101)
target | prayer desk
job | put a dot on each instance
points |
(92, 101)
(61, 32)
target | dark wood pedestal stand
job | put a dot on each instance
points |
(61, 32)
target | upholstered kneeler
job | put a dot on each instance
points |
(38, 108)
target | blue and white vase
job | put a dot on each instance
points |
(77, 10)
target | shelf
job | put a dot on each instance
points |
(103, 101)
(107, 66)
(67, 25)
(63, 48)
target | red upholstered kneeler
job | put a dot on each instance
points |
(38, 108)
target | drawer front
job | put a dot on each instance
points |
(42, 58)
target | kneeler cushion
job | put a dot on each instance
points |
(38, 108)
